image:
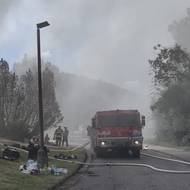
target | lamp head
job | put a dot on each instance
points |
(42, 24)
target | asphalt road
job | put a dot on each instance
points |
(130, 177)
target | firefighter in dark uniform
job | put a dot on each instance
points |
(65, 137)
(46, 140)
(58, 135)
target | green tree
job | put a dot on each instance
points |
(171, 73)
(171, 65)
(52, 113)
(19, 117)
(11, 98)
(180, 30)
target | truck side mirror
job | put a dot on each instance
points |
(143, 120)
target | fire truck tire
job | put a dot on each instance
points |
(136, 153)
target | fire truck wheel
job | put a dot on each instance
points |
(136, 153)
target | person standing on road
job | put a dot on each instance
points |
(65, 136)
(58, 135)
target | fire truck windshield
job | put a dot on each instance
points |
(121, 120)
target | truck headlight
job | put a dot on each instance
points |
(136, 142)
(103, 143)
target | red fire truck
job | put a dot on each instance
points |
(117, 130)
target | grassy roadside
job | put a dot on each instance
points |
(12, 179)
(166, 144)
(154, 141)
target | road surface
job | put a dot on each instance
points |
(130, 177)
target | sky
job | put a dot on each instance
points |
(110, 40)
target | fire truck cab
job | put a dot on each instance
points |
(117, 130)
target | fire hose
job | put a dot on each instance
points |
(127, 164)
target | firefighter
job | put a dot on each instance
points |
(32, 151)
(65, 137)
(58, 135)
(46, 139)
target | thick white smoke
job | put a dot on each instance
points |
(110, 40)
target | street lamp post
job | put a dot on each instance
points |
(42, 154)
